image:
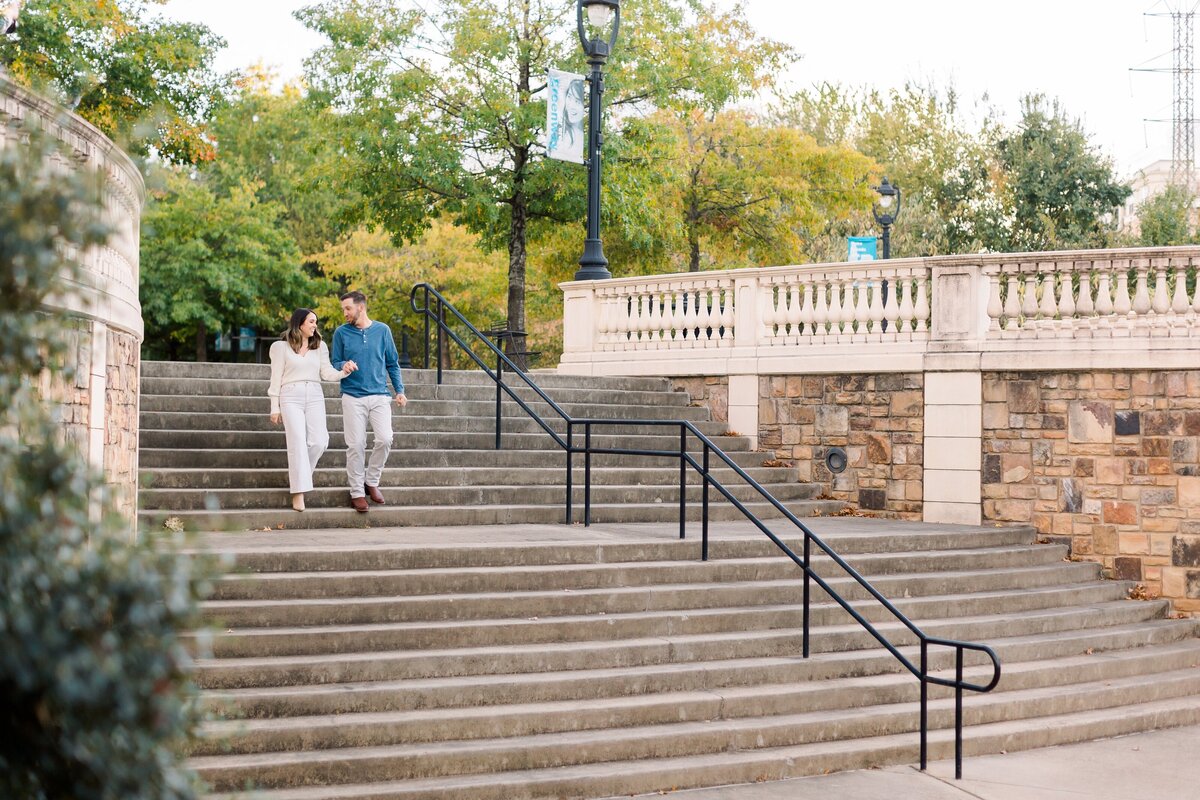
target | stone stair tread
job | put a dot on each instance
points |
(721, 734)
(598, 591)
(891, 624)
(746, 766)
(1049, 674)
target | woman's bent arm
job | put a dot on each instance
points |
(277, 358)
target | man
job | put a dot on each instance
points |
(365, 395)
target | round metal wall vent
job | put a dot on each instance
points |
(835, 459)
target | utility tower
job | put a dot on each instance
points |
(1183, 130)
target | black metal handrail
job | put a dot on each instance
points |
(703, 468)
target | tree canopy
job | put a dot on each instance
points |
(144, 82)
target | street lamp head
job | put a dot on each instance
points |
(599, 15)
(887, 207)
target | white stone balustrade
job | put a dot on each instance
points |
(1101, 308)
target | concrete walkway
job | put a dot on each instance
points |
(1163, 765)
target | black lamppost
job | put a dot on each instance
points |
(601, 14)
(886, 209)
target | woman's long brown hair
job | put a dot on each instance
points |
(293, 335)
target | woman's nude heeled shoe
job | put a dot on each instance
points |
(298, 502)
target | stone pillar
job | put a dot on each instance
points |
(743, 406)
(953, 444)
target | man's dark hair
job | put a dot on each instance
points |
(357, 297)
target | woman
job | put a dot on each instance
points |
(299, 362)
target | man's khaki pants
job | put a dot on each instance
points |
(356, 413)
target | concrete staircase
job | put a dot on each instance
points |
(458, 658)
(210, 456)
(493, 663)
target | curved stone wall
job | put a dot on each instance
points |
(100, 405)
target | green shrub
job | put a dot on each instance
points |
(93, 672)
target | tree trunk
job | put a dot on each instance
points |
(515, 345)
(201, 342)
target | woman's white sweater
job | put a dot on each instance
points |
(288, 366)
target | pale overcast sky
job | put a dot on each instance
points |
(1079, 51)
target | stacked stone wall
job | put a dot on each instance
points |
(878, 419)
(121, 418)
(711, 392)
(1109, 461)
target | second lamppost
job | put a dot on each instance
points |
(603, 17)
(886, 209)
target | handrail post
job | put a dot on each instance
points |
(924, 704)
(704, 509)
(570, 468)
(441, 337)
(807, 590)
(682, 482)
(958, 722)
(587, 474)
(426, 316)
(499, 385)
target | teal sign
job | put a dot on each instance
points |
(862, 248)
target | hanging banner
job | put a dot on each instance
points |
(565, 110)
(862, 248)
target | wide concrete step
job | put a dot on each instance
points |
(458, 495)
(393, 516)
(350, 577)
(486, 409)
(450, 377)
(277, 687)
(733, 765)
(413, 420)
(193, 478)
(541, 656)
(419, 391)
(442, 634)
(188, 439)
(489, 593)
(380, 762)
(516, 718)
(420, 456)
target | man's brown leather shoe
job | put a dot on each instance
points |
(360, 504)
(374, 494)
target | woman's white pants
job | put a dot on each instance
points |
(302, 405)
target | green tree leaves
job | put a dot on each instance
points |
(146, 83)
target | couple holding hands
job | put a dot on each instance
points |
(364, 358)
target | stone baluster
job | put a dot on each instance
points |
(994, 307)
(1179, 302)
(1104, 302)
(691, 316)
(1066, 300)
(770, 315)
(821, 312)
(1195, 299)
(808, 311)
(1085, 309)
(1012, 299)
(677, 339)
(705, 322)
(1160, 303)
(793, 314)
(1048, 307)
(862, 310)
(891, 307)
(922, 306)
(604, 324)
(905, 323)
(653, 318)
(623, 319)
(1123, 305)
(1142, 305)
(1029, 304)
(836, 314)
(727, 316)
(875, 312)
